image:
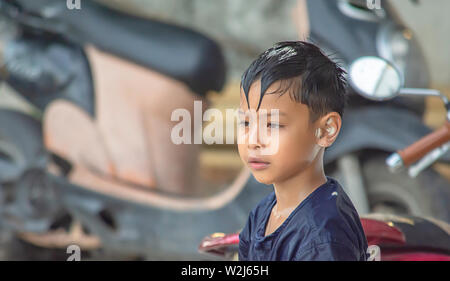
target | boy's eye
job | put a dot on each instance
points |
(274, 125)
(244, 123)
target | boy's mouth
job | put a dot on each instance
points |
(257, 163)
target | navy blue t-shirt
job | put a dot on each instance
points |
(324, 226)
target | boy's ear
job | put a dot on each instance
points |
(327, 129)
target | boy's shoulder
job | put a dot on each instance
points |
(332, 218)
(323, 203)
(331, 203)
(326, 207)
(325, 222)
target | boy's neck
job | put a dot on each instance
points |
(291, 192)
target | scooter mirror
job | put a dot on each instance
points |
(375, 78)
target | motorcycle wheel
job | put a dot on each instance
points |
(427, 195)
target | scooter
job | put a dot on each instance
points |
(390, 237)
(379, 80)
(59, 188)
(372, 130)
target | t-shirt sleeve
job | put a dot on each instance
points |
(244, 238)
(330, 251)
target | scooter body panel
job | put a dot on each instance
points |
(172, 50)
(20, 144)
(154, 232)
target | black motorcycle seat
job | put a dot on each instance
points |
(172, 50)
(421, 233)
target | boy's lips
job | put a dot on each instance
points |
(257, 163)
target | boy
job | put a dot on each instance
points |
(308, 216)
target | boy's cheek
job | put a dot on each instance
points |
(292, 152)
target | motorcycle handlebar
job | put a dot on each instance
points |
(431, 141)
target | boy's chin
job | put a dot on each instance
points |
(264, 179)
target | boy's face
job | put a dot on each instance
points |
(297, 143)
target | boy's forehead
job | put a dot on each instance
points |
(269, 101)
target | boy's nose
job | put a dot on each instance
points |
(254, 139)
(254, 146)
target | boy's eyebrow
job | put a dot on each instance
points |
(269, 113)
(279, 113)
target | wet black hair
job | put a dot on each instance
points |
(310, 76)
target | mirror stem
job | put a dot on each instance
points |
(427, 92)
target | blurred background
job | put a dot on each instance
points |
(88, 91)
